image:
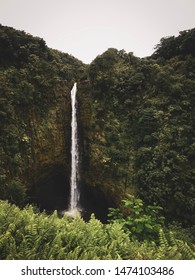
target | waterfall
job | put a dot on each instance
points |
(74, 192)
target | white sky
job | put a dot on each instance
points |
(86, 28)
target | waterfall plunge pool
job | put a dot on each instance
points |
(53, 193)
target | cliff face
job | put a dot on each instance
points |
(142, 132)
(43, 145)
(46, 141)
(35, 113)
(46, 166)
(95, 172)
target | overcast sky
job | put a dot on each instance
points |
(86, 28)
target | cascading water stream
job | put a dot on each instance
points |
(74, 192)
(85, 203)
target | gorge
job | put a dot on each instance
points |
(135, 125)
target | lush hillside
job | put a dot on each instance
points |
(35, 83)
(143, 137)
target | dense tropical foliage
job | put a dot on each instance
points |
(144, 110)
(25, 234)
(32, 79)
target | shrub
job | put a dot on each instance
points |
(138, 220)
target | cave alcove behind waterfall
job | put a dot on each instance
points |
(53, 193)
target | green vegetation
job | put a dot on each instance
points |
(137, 124)
(33, 81)
(144, 125)
(139, 221)
(25, 234)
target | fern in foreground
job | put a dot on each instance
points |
(27, 235)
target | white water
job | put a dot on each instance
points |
(74, 192)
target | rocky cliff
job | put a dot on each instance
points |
(35, 112)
